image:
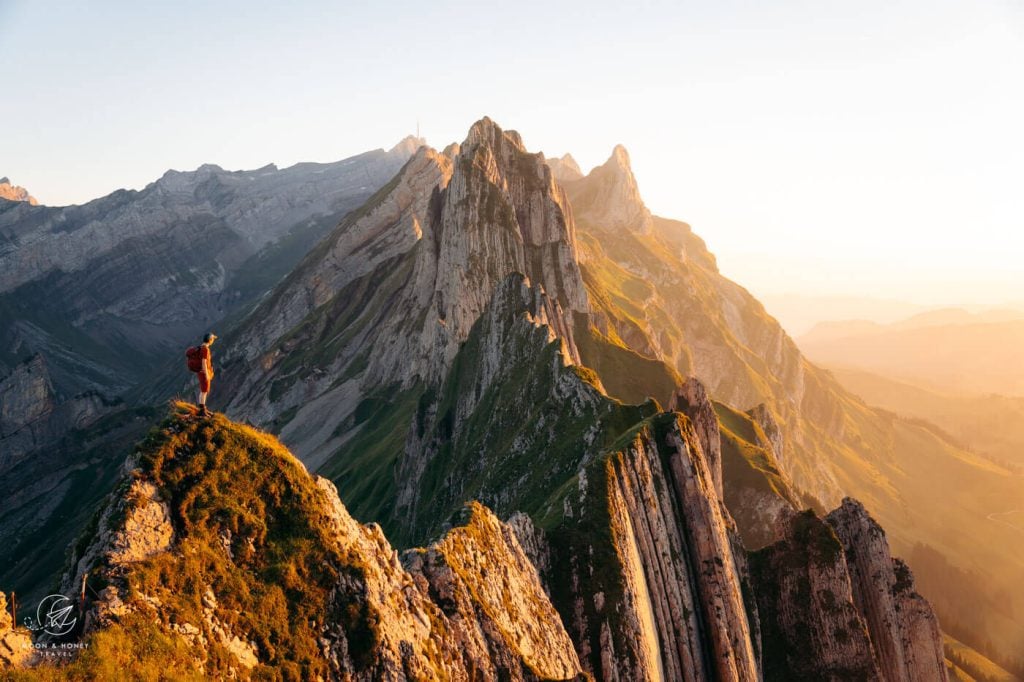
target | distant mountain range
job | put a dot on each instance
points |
(649, 459)
(799, 313)
(949, 350)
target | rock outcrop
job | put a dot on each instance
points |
(692, 400)
(479, 573)
(810, 626)
(904, 630)
(610, 197)
(33, 416)
(12, 192)
(834, 604)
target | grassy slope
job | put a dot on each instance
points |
(975, 665)
(744, 462)
(219, 476)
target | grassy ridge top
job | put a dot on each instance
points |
(250, 527)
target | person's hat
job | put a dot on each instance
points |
(209, 337)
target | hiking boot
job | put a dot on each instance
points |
(203, 412)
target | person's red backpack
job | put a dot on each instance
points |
(194, 358)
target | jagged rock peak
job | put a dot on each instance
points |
(565, 169)
(609, 198)
(486, 131)
(408, 145)
(12, 192)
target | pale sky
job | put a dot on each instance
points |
(869, 148)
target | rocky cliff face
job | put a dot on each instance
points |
(669, 604)
(810, 625)
(904, 630)
(12, 192)
(33, 416)
(831, 587)
(389, 296)
(153, 268)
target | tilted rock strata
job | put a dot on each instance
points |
(692, 400)
(396, 289)
(810, 627)
(903, 626)
(663, 598)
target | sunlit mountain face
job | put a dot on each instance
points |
(522, 427)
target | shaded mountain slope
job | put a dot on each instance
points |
(149, 269)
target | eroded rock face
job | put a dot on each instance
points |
(903, 627)
(26, 396)
(134, 527)
(834, 604)
(664, 600)
(810, 627)
(402, 283)
(32, 415)
(480, 573)
(692, 400)
(611, 197)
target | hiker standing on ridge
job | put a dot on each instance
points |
(200, 361)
